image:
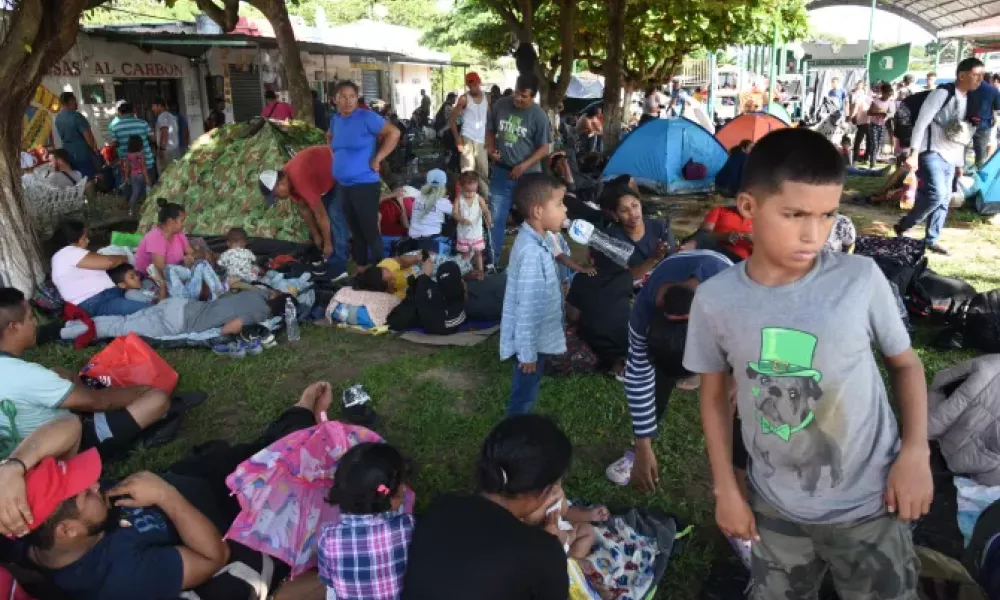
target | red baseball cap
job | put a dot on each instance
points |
(53, 481)
(471, 78)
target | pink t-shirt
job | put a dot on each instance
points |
(279, 111)
(154, 242)
(77, 285)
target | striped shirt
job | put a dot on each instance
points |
(532, 321)
(122, 128)
(640, 376)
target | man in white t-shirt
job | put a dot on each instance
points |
(472, 108)
(168, 139)
(33, 395)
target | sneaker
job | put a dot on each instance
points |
(620, 471)
(743, 550)
(232, 350)
(938, 249)
(253, 347)
(259, 333)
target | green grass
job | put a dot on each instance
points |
(438, 404)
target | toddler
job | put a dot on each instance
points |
(134, 171)
(364, 554)
(574, 527)
(239, 261)
(469, 212)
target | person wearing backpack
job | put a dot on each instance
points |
(941, 133)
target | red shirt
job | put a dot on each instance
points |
(391, 223)
(279, 111)
(729, 220)
(310, 173)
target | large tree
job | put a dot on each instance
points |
(34, 35)
(496, 27)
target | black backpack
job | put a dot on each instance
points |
(979, 322)
(908, 111)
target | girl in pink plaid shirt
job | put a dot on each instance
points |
(363, 556)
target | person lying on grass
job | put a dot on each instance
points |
(179, 316)
(142, 538)
(795, 326)
(33, 395)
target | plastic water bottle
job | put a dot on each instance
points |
(583, 232)
(291, 321)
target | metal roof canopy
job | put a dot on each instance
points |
(194, 45)
(933, 16)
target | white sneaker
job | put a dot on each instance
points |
(620, 471)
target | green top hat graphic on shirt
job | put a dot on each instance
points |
(786, 353)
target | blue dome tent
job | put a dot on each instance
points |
(656, 152)
(988, 180)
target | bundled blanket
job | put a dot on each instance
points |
(365, 309)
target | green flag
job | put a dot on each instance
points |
(890, 64)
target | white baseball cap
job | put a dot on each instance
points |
(268, 180)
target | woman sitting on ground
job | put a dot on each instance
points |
(165, 244)
(501, 542)
(81, 275)
(651, 238)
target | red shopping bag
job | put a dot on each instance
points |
(130, 361)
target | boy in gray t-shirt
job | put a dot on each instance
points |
(832, 481)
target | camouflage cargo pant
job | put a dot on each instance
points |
(869, 559)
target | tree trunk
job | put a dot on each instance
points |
(567, 30)
(33, 37)
(613, 112)
(298, 85)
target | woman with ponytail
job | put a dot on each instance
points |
(501, 543)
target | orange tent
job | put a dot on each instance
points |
(748, 126)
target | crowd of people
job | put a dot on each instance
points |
(764, 309)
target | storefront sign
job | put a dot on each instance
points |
(838, 62)
(72, 68)
(367, 63)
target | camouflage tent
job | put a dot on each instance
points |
(216, 181)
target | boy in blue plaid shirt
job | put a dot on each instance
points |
(532, 322)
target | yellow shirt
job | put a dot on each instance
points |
(398, 276)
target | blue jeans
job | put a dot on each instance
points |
(936, 176)
(111, 303)
(524, 388)
(339, 231)
(501, 199)
(187, 283)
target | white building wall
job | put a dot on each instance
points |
(97, 62)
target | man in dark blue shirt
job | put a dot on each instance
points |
(142, 539)
(983, 103)
(838, 93)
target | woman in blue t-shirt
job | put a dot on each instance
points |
(651, 238)
(361, 140)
